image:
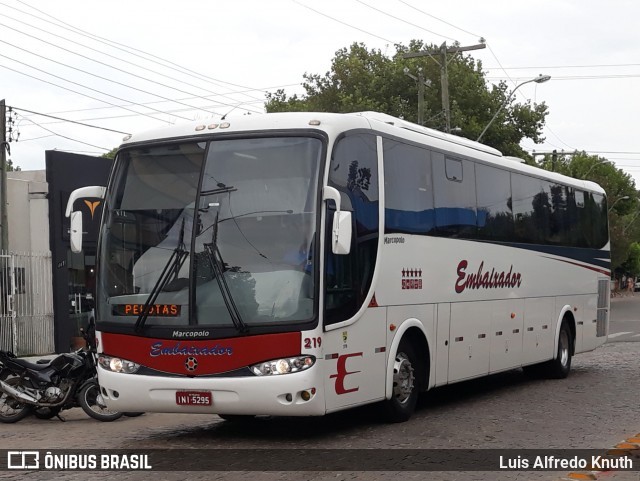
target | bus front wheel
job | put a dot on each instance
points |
(404, 396)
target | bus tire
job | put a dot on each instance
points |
(404, 396)
(559, 367)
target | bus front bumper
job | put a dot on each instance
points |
(295, 394)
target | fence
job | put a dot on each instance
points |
(26, 303)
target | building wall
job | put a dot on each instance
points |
(28, 211)
(26, 316)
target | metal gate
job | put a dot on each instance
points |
(26, 304)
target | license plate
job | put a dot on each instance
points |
(194, 398)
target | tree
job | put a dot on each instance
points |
(362, 79)
(11, 167)
(632, 264)
(111, 154)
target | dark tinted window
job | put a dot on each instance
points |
(408, 189)
(455, 196)
(495, 216)
(531, 209)
(429, 193)
(593, 220)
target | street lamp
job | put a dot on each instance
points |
(539, 79)
(596, 164)
(624, 197)
(633, 219)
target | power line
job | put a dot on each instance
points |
(88, 88)
(584, 77)
(68, 138)
(119, 46)
(343, 23)
(37, 138)
(505, 72)
(147, 79)
(108, 79)
(67, 120)
(124, 116)
(566, 66)
(557, 137)
(175, 110)
(439, 19)
(79, 93)
(402, 20)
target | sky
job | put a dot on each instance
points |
(129, 66)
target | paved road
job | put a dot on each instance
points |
(625, 319)
(596, 407)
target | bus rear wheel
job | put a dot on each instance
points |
(405, 387)
(559, 367)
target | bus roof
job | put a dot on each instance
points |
(333, 124)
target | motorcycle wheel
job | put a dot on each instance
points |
(12, 410)
(46, 413)
(90, 400)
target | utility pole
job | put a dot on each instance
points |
(441, 54)
(4, 147)
(421, 85)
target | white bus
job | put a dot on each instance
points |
(303, 263)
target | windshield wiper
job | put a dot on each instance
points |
(170, 271)
(217, 264)
(222, 189)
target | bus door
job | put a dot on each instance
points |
(355, 331)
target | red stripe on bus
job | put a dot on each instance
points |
(213, 356)
(601, 271)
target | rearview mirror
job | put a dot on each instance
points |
(341, 228)
(341, 236)
(75, 232)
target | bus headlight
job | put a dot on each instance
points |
(115, 364)
(283, 366)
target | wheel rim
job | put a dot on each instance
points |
(403, 378)
(564, 348)
(94, 400)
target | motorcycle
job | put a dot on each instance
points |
(48, 387)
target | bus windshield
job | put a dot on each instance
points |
(215, 234)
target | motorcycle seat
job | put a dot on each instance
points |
(31, 365)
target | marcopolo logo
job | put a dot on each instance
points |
(23, 460)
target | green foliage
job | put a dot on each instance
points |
(362, 79)
(11, 167)
(111, 154)
(632, 265)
